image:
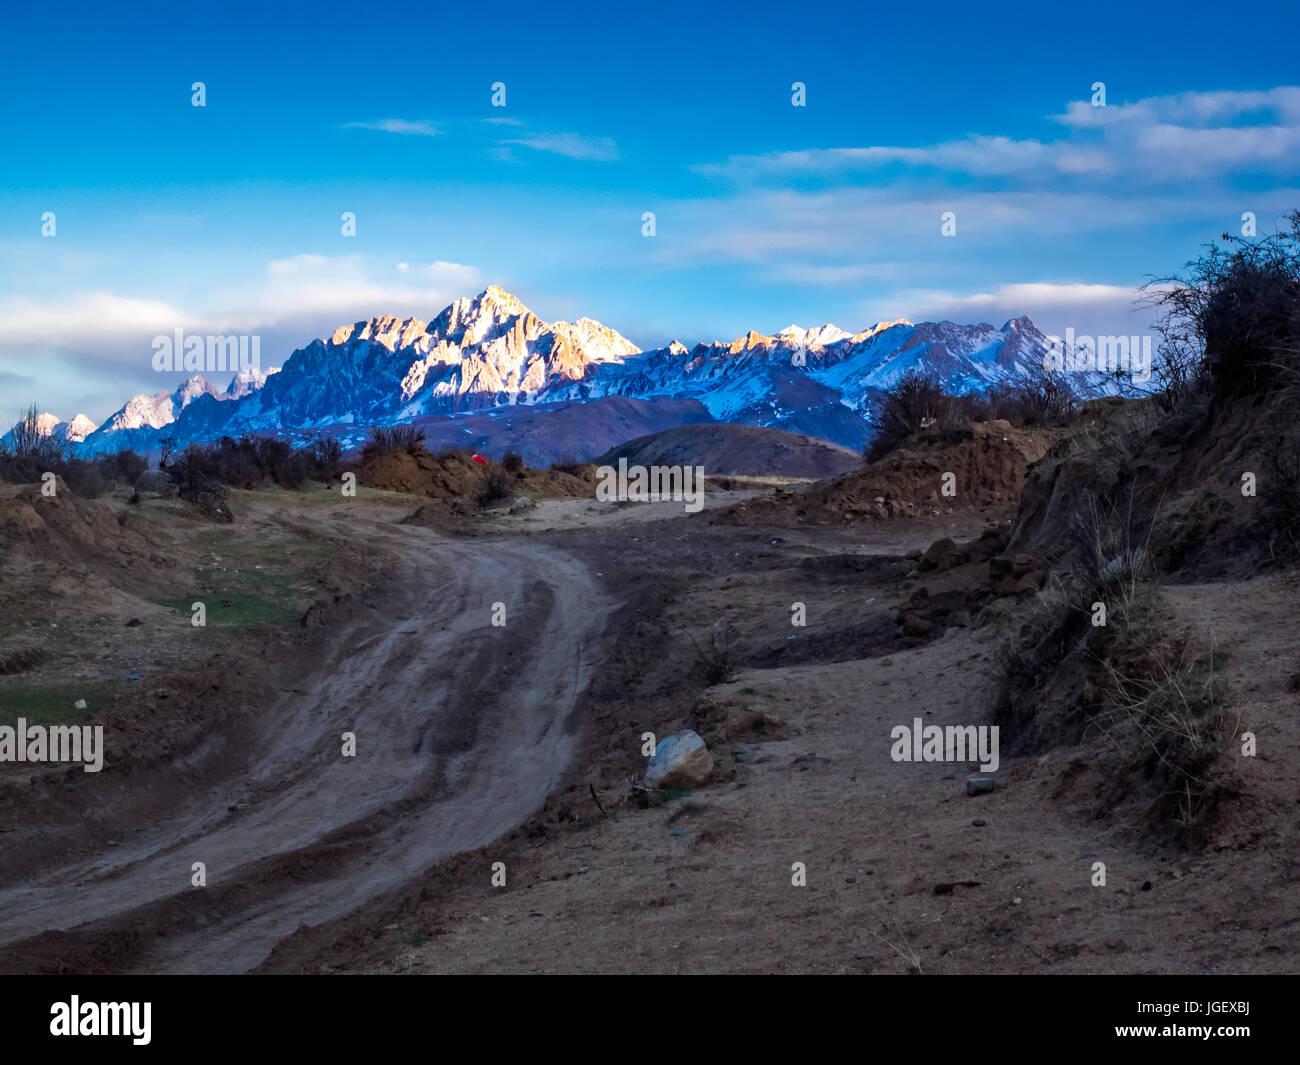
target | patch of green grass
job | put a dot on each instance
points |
(251, 581)
(313, 495)
(417, 938)
(54, 702)
(583, 823)
(301, 548)
(235, 610)
(275, 543)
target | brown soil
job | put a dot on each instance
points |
(454, 475)
(900, 876)
(522, 745)
(988, 465)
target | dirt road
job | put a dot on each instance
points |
(462, 728)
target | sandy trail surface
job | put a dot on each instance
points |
(462, 728)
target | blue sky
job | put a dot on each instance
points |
(227, 217)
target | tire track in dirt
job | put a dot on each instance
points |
(461, 734)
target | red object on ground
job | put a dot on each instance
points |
(479, 459)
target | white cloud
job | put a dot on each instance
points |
(98, 333)
(1159, 140)
(571, 145)
(403, 126)
(1199, 109)
(84, 316)
(784, 228)
(820, 274)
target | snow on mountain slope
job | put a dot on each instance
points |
(491, 351)
(78, 429)
(145, 419)
(48, 424)
(246, 381)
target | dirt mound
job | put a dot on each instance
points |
(724, 449)
(65, 529)
(454, 476)
(1134, 496)
(1203, 493)
(988, 464)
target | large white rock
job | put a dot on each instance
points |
(680, 761)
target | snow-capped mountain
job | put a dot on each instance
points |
(144, 419)
(246, 381)
(76, 430)
(47, 424)
(491, 352)
(822, 382)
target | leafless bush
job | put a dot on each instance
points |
(915, 402)
(1229, 321)
(717, 659)
(494, 485)
(390, 439)
(27, 454)
(1039, 398)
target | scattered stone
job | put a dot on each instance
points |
(946, 888)
(915, 625)
(941, 555)
(1000, 566)
(979, 823)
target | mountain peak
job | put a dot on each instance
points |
(497, 299)
(79, 428)
(48, 424)
(385, 329)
